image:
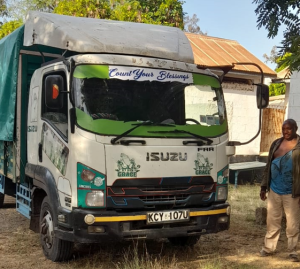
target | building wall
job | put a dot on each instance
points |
(243, 116)
(293, 107)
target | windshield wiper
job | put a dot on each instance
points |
(114, 140)
(209, 141)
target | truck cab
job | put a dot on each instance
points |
(125, 136)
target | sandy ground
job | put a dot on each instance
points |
(236, 248)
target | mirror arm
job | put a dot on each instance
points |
(72, 111)
(237, 143)
(72, 119)
(72, 68)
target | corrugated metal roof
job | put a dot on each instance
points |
(284, 74)
(214, 52)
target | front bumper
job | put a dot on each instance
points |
(128, 226)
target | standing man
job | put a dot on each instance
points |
(282, 182)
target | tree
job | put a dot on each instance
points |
(164, 12)
(17, 9)
(3, 9)
(84, 8)
(277, 89)
(281, 62)
(191, 25)
(272, 57)
(8, 27)
(275, 13)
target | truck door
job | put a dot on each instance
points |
(53, 149)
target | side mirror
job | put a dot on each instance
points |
(262, 96)
(54, 85)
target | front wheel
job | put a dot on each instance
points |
(184, 240)
(54, 249)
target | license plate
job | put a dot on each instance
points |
(168, 216)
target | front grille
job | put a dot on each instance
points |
(163, 188)
(164, 198)
(145, 193)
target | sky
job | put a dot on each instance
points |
(235, 20)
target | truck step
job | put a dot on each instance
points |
(23, 200)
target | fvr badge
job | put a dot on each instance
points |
(206, 149)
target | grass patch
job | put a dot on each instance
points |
(210, 253)
(244, 200)
(217, 262)
(139, 258)
(24, 241)
(233, 249)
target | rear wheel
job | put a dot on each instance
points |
(1, 199)
(184, 240)
(55, 249)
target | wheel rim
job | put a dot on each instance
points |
(47, 229)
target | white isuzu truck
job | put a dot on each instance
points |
(109, 131)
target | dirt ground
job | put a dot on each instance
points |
(235, 248)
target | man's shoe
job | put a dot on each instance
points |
(263, 253)
(294, 257)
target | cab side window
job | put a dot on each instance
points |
(55, 102)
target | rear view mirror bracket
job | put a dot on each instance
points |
(262, 99)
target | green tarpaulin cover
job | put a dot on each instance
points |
(9, 60)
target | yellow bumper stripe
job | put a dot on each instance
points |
(121, 218)
(210, 212)
(144, 217)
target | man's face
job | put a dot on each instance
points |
(288, 131)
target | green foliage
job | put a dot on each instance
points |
(3, 8)
(283, 62)
(128, 11)
(275, 13)
(164, 12)
(41, 5)
(84, 8)
(9, 27)
(277, 89)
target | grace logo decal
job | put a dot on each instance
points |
(203, 166)
(127, 166)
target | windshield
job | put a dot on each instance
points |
(136, 95)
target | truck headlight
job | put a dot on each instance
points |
(95, 198)
(91, 187)
(221, 193)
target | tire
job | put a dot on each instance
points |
(184, 240)
(54, 249)
(1, 199)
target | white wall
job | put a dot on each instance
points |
(293, 108)
(243, 116)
